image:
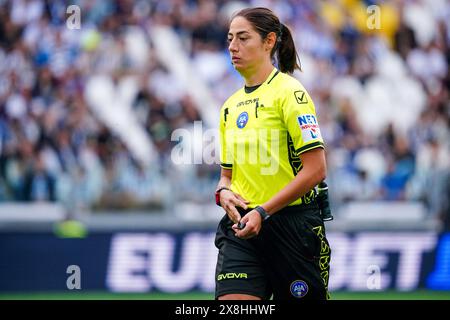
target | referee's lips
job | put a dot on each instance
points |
(235, 59)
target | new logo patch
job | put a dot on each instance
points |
(242, 120)
(299, 288)
(309, 127)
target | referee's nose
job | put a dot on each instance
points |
(232, 47)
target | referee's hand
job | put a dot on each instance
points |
(253, 223)
(229, 201)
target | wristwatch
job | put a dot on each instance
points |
(263, 213)
(218, 194)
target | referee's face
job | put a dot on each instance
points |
(247, 50)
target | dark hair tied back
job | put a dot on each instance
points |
(265, 21)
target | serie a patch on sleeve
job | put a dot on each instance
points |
(309, 127)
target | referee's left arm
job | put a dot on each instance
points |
(299, 115)
(313, 172)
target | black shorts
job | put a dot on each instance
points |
(289, 259)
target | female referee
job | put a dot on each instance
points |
(272, 239)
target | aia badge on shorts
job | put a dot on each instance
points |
(299, 288)
(242, 120)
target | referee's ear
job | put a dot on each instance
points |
(270, 42)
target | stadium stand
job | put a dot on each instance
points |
(87, 115)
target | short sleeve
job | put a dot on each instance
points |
(226, 159)
(299, 116)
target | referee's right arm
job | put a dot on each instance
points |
(228, 199)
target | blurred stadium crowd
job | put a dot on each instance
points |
(381, 89)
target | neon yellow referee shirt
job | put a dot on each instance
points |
(262, 134)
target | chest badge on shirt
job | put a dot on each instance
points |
(242, 120)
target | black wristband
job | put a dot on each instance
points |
(222, 188)
(263, 213)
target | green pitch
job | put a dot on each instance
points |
(89, 295)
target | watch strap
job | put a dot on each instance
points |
(263, 213)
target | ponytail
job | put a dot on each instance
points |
(287, 56)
